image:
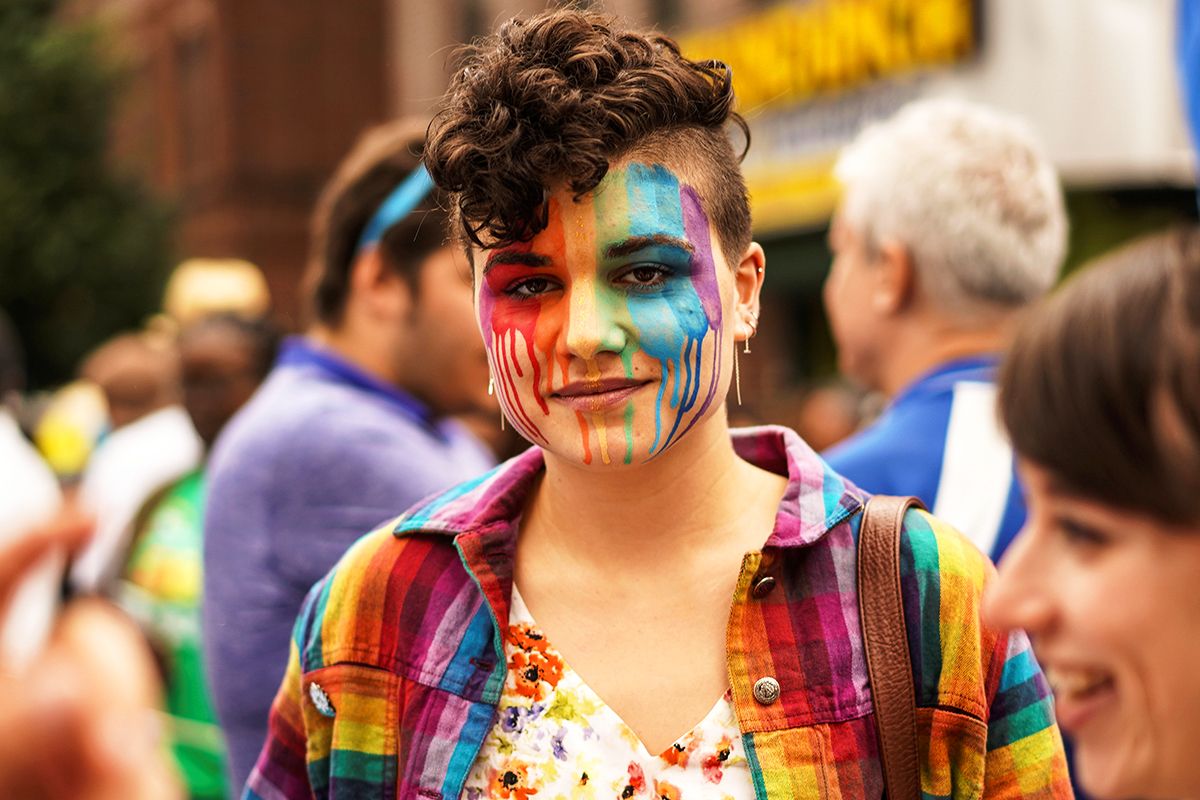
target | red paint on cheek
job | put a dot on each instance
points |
(500, 316)
(512, 316)
(533, 319)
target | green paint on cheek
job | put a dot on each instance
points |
(627, 362)
(629, 433)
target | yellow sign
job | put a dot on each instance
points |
(803, 194)
(808, 75)
(792, 53)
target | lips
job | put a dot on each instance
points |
(1079, 693)
(598, 395)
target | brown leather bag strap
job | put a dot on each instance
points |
(885, 635)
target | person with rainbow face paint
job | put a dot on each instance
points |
(645, 603)
(609, 345)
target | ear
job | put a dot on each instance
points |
(377, 288)
(747, 286)
(894, 279)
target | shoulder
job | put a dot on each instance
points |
(916, 416)
(300, 419)
(863, 450)
(163, 440)
(496, 496)
(900, 453)
(972, 680)
(395, 587)
(377, 599)
(954, 653)
(270, 419)
(933, 550)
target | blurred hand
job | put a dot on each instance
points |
(81, 721)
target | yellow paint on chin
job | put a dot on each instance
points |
(602, 434)
(598, 419)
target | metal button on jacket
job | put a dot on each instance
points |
(766, 690)
(762, 587)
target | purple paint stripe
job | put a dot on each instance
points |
(695, 224)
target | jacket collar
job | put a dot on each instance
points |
(816, 499)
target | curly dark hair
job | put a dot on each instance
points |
(558, 97)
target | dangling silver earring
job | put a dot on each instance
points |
(492, 393)
(737, 374)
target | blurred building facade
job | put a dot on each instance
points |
(238, 110)
(241, 108)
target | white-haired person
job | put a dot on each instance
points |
(951, 223)
(1101, 395)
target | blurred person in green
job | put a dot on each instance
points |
(223, 358)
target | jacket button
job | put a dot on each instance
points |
(766, 690)
(762, 587)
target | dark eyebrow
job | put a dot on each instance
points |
(515, 257)
(635, 243)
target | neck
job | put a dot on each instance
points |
(917, 349)
(684, 500)
(366, 352)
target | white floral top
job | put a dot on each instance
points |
(555, 739)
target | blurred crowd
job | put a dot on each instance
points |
(163, 516)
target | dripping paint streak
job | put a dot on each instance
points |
(601, 424)
(583, 434)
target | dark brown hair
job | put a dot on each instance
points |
(381, 159)
(1102, 384)
(557, 98)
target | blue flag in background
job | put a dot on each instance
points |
(1187, 50)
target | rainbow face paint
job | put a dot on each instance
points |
(605, 332)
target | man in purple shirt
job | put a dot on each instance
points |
(348, 427)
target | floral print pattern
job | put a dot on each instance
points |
(555, 739)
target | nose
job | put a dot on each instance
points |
(1021, 594)
(595, 322)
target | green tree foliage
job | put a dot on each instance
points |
(84, 250)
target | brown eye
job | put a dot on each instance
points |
(644, 276)
(531, 287)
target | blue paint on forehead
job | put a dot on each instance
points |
(654, 206)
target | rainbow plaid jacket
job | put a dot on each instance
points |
(397, 662)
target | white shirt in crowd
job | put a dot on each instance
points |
(132, 463)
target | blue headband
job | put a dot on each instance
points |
(398, 205)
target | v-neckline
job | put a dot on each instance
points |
(519, 613)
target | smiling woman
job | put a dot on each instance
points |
(1101, 396)
(646, 603)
